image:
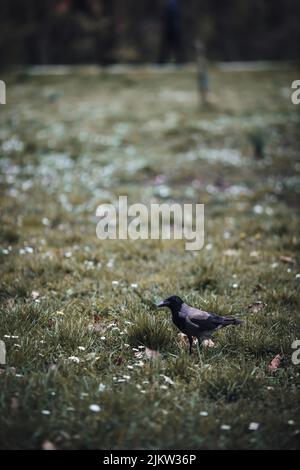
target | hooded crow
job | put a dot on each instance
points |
(194, 322)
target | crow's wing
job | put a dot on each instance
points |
(204, 321)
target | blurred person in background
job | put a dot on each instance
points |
(202, 71)
(171, 35)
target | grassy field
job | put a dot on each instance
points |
(77, 312)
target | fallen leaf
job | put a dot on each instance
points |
(2, 353)
(9, 303)
(48, 445)
(256, 306)
(35, 295)
(287, 259)
(183, 340)
(139, 354)
(96, 326)
(275, 363)
(151, 354)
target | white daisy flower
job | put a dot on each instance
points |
(95, 408)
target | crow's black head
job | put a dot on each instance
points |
(174, 303)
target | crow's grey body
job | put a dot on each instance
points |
(194, 322)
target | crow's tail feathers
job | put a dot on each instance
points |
(232, 321)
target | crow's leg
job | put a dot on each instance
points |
(199, 342)
(190, 338)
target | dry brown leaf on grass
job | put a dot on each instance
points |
(183, 340)
(275, 363)
(97, 326)
(151, 354)
(287, 259)
(48, 445)
(147, 353)
(9, 303)
(256, 306)
(35, 295)
(208, 343)
(139, 354)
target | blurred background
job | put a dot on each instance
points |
(113, 31)
(76, 312)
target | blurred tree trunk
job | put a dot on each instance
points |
(106, 33)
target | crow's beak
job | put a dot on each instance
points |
(161, 304)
